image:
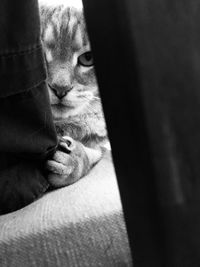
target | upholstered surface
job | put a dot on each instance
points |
(80, 225)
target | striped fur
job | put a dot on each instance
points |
(77, 114)
(65, 38)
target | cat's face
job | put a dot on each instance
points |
(71, 77)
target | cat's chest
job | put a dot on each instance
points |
(84, 128)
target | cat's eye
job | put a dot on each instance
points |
(86, 59)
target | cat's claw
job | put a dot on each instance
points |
(67, 144)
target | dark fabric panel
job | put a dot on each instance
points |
(167, 39)
(26, 123)
(19, 26)
(147, 64)
(117, 73)
(21, 70)
(27, 132)
(21, 56)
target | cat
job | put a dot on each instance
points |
(73, 91)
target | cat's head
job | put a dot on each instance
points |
(71, 76)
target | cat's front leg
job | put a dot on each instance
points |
(71, 162)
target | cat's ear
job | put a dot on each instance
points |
(66, 3)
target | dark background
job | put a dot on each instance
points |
(147, 62)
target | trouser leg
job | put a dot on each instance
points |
(27, 133)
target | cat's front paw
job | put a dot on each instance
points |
(69, 163)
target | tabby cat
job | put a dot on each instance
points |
(74, 96)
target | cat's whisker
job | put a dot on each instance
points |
(87, 97)
(91, 97)
(96, 97)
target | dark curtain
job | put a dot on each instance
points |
(147, 56)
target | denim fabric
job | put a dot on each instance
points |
(27, 133)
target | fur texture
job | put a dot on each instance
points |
(74, 96)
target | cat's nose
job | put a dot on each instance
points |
(60, 91)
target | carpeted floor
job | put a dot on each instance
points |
(80, 225)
